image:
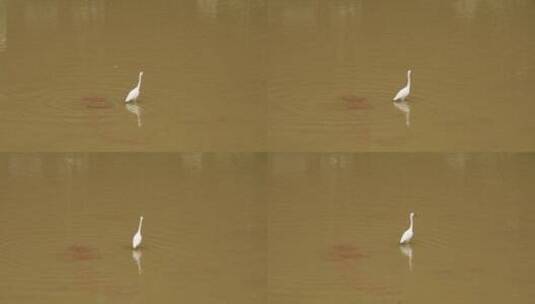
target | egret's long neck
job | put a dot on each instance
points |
(412, 222)
(409, 80)
(141, 223)
(139, 81)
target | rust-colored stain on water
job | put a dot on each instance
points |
(78, 252)
(87, 277)
(96, 102)
(101, 103)
(354, 102)
(345, 252)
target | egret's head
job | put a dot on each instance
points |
(141, 218)
(140, 73)
(412, 214)
(409, 72)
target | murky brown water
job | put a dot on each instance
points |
(249, 75)
(67, 222)
(266, 76)
(335, 220)
(266, 228)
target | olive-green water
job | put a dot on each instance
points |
(266, 228)
(256, 75)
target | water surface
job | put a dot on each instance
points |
(68, 220)
(266, 228)
(260, 75)
(335, 220)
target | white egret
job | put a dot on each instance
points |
(403, 93)
(409, 233)
(136, 240)
(134, 94)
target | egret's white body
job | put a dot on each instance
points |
(136, 240)
(134, 94)
(403, 93)
(409, 233)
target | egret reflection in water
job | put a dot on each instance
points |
(406, 250)
(136, 255)
(404, 107)
(3, 25)
(134, 108)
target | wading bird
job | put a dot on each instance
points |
(134, 94)
(403, 93)
(136, 240)
(409, 233)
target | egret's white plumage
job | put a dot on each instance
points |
(409, 233)
(403, 93)
(136, 240)
(134, 94)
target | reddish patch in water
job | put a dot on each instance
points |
(81, 253)
(88, 278)
(356, 102)
(96, 102)
(345, 252)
